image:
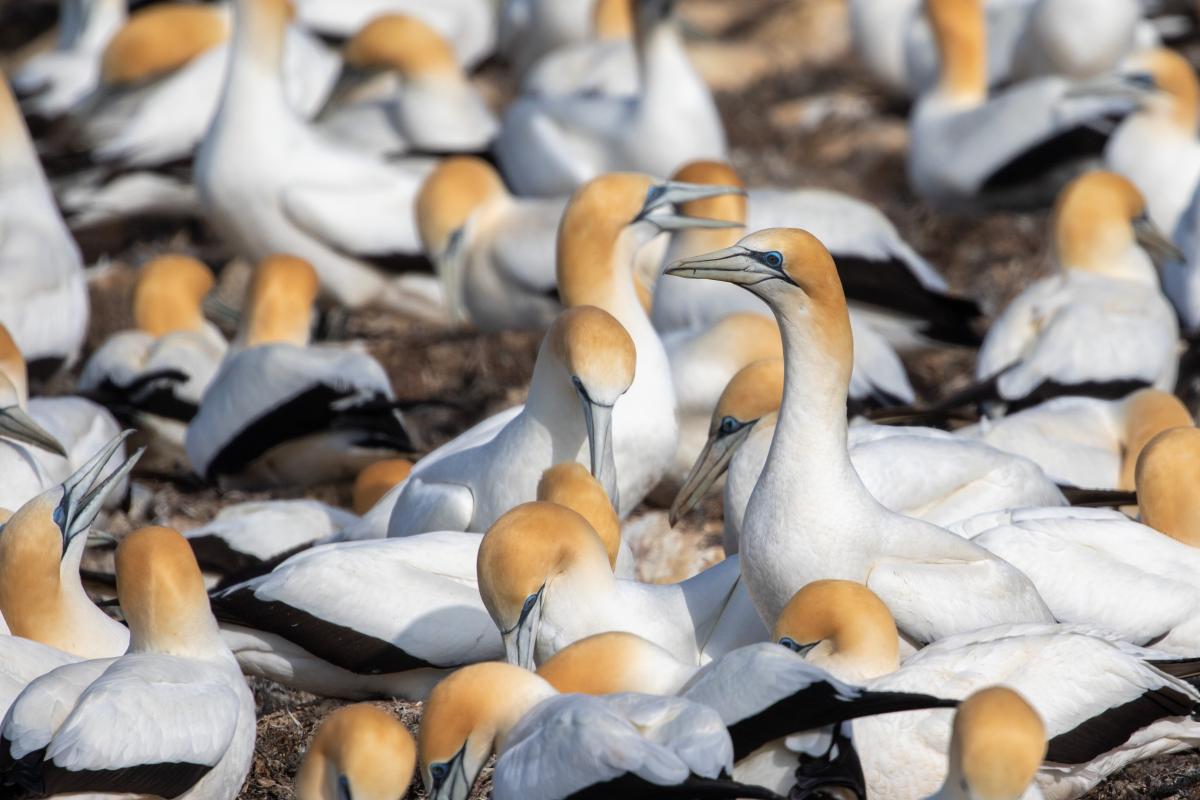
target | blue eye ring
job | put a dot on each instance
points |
(729, 425)
(438, 772)
(773, 259)
(529, 603)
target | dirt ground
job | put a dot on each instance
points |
(799, 111)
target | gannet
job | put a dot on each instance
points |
(551, 746)
(764, 694)
(971, 152)
(1025, 38)
(41, 545)
(416, 98)
(1121, 707)
(606, 63)
(173, 717)
(584, 367)
(691, 319)
(469, 25)
(918, 472)
(494, 253)
(1105, 548)
(155, 374)
(160, 87)
(248, 539)
(702, 364)
(384, 617)
(16, 424)
(997, 744)
(45, 309)
(1084, 441)
(810, 517)
(282, 412)
(893, 292)
(360, 752)
(547, 582)
(607, 222)
(1104, 299)
(45, 439)
(51, 82)
(550, 145)
(1156, 147)
(270, 183)
(376, 480)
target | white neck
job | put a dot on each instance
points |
(554, 404)
(810, 432)
(254, 92)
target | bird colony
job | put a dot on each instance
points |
(964, 587)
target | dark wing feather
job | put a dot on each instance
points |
(341, 646)
(891, 285)
(1113, 727)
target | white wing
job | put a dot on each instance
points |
(265, 529)
(1102, 330)
(166, 720)
(878, 372)
(37, 713)
(366, 210)
(570, 742)
(945, 479)
(1124, 557)
(1076, 440)
(82, 427)
(254, 383)
(404, 603)
(23, 660)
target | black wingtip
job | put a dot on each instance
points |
(1098, 498)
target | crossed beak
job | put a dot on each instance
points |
(1155, 242)
(520, 640)
(710, 465)
(85, 491)
(733, 265)
(665, 195)
(16, 424)
(598, 418)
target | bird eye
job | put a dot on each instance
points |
(529, 603)
(729, 425)
(773, 259)
(438, 772)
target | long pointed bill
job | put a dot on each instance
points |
(711, 465)
(85, 491)
(450, 266)
(675, 192)
(678, 222)
(1134, 87)
(1157, 244)
(17, 425)
(733, 265)
(600, 446)
(215, 307)
(520, 641)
